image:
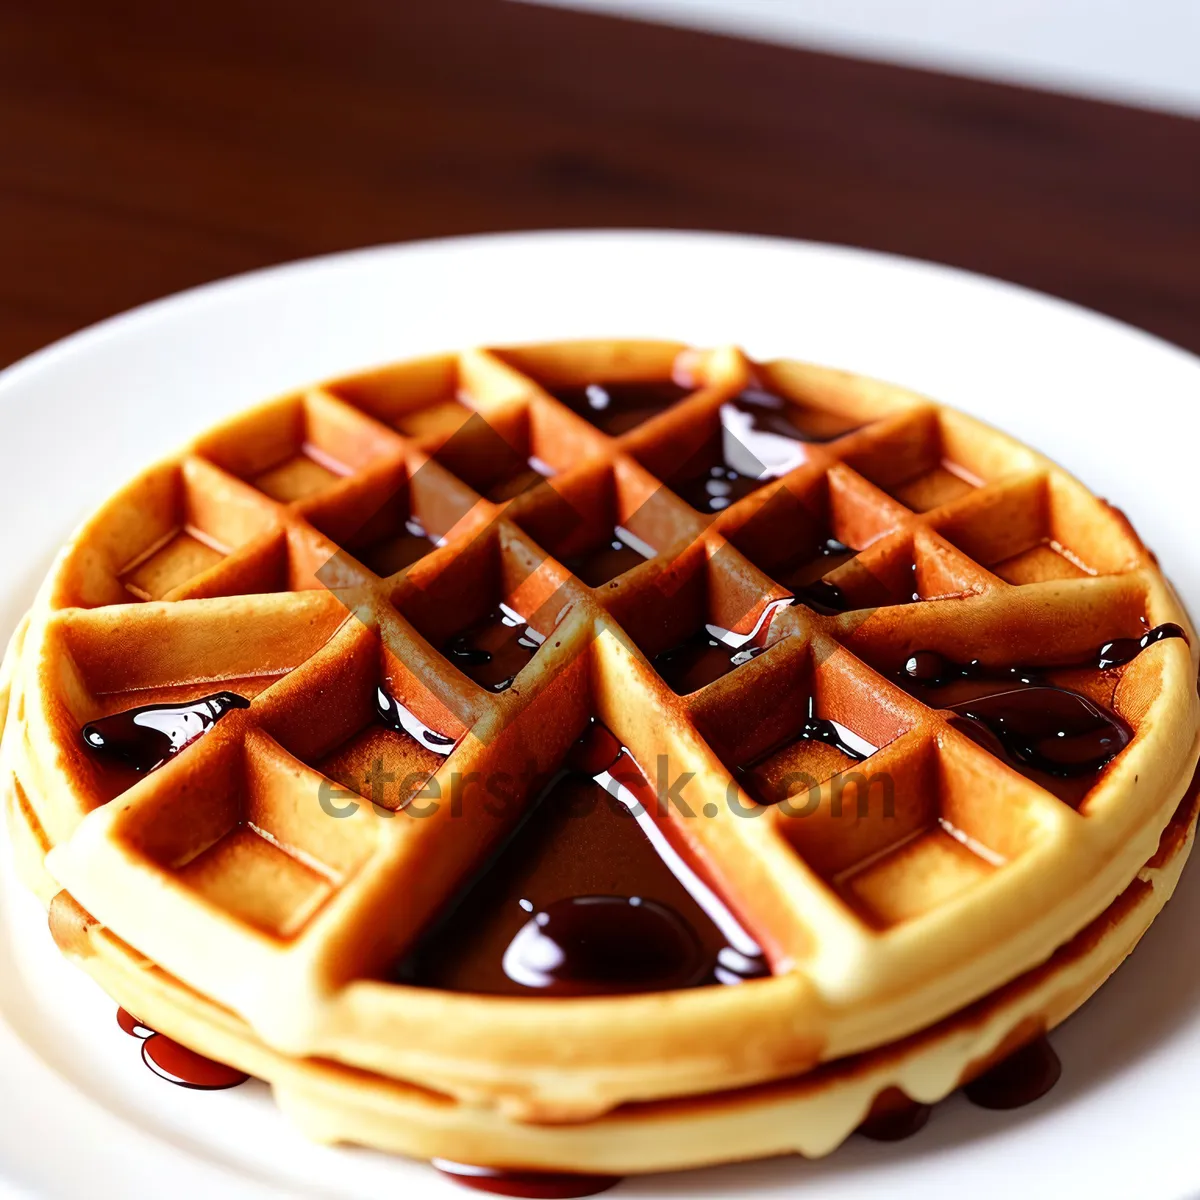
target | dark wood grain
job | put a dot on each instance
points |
(147, 147)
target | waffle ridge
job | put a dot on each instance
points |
(245, 561)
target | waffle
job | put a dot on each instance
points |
(809, 1115)
(457, 568)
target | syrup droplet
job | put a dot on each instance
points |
(837, 735)
(493, 651)
(823, 597)
(132, 1026)
(176, 1063)
(758, 416)
(145, 738)
(894, 1117)
(397, 716)
(1050, 729)
(1023, 1077)
(617, 408)
(535, 1185)
(927, 666)
(700, 660)
(623, 551)
(590, 945)
(596, 750)
(589, 895)
(185, 1068)
(715, 489)
(1124, 650)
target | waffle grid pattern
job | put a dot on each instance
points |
(240, 561)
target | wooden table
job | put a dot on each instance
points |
(146, 147)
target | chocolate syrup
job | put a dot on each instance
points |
(595, 751)
(176, 1063)
(1023, 1077)
(492, 465)
(493, 651)
(587, 896)
(762, 437)
(622, 552)
(616, 408)
(1049, 729)
(535, 1185)
(830, 547)
(145, 738)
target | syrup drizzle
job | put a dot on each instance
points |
(709, 653)
(396, 716)
(823, 597)
(535, 1185)
(615, 408)
(1055, 736)
(699, 660)
(1049, 729)
(894, 1117)
(593, 945)
(1023, 1077)
(176, 1063)
(582, 900)
(775, 430)
(493, 651)
(526, 476)
(145, 738)
(834, 733)
(763, 436)
(623, 551)
(759, 776)
(718, 487)
(1124, 650)
(390, 555)
(811, 563)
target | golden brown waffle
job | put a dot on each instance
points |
(249, 564)
(809, 1115)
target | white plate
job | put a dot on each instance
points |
(83, 1116)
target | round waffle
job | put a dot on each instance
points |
(810, 1115)
(636, 515)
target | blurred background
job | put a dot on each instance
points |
(147, 147)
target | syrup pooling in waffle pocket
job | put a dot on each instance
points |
(1054, 735)
(450, 568)
(588, 896)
